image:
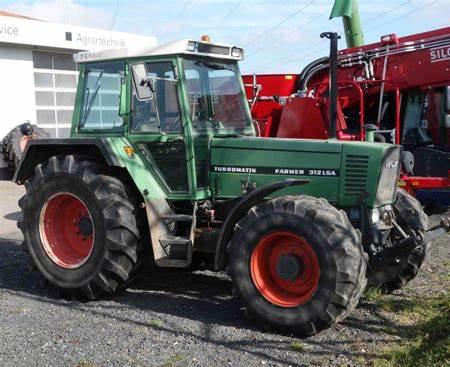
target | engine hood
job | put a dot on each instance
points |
(339, 171)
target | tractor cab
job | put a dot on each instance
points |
(170, 101)
(166, 88)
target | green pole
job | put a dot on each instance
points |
(352, 26)
(349, 11)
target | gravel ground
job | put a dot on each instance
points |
(170, 318)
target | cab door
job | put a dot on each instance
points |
(156, 128)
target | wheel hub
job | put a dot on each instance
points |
(85, 226)
(289, 267)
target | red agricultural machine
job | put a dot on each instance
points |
(396, 90)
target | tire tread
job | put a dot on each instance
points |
(122, 238)
(346, 249)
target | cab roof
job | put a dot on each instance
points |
(179, 47)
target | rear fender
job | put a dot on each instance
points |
(109, 152)
(39, 150)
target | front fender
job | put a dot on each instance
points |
(240, 209)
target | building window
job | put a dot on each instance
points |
(55, 83)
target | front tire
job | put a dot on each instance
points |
(298, 264)
(80, 227)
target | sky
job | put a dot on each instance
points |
(279, 36)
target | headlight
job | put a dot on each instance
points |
(383, 214)
(375, 217)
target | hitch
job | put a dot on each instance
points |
(437, 231)
(410, 242)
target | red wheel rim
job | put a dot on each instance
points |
(23, 142)
(66, 230)
(285, 269)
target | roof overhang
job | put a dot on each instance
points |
(180, 47)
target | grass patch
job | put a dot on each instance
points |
(372, 294)
(426, 342)
(19, 310)
(297, 346)
(156, 323)
(392, 304)
(446, 275)
(175, 361)
(85, 364)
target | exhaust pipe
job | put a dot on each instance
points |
(333, 37)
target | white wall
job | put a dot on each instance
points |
(17, 102)
(18, 36)
(37, 33)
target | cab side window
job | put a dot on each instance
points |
(101, 96)
(161, 111)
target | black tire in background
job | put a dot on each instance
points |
(7, 139)
(336, 244)
(114, 214)
(11, 144)
(396, 274)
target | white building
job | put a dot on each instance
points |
(38, 77)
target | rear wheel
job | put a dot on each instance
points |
(297, 263)
(413, 220)
(80, 226)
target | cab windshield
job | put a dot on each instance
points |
(216, 100)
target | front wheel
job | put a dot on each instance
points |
(80, 227)
(298, 264)
(396, 274)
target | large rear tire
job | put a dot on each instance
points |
(298, 264)
(80, 226)
(413, 220)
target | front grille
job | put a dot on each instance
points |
(355, 174)
(390, 170)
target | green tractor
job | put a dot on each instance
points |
(163, 169)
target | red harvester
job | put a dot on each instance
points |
(396, 90)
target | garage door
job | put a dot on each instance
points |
(55, 83)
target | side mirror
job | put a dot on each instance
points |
(123, 99)
(143, 91)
